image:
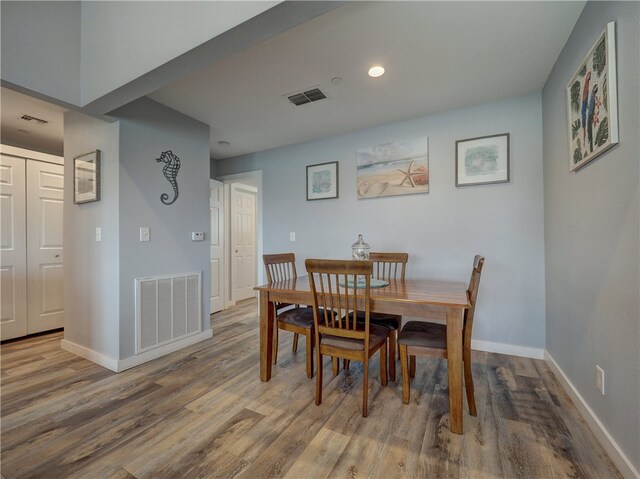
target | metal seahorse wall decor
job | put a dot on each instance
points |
(170, 171)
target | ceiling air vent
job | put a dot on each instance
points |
(308, 96)
(39, 121)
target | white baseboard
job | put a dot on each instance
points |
(502, 348)
(130, 362)
(93, 356)
(119, 365)
(617, 455)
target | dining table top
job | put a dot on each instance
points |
(421, 291)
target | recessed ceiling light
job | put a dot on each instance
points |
(336, 80)
(224, 144)
(376, 71)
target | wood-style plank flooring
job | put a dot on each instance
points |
(203, 412)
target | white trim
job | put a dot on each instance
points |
(93, 356)
(503, 348)
(31, 154)
(615, 452)
(130, 362)
(118, 366)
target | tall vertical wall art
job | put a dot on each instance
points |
(170, 171)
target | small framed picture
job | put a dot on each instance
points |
(322, 181)
(86, 177)
(482, 160)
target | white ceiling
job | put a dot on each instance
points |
(438, 55)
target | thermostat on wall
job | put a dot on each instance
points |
(197, 236)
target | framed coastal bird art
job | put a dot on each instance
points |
(592, 102)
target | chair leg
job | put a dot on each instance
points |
(399, 329)
(404, 367)
(412, 366)
(365, 387)
(294, 348)
(383, 364)
(318, 377)
(335, 363)
(275, 343)
(392, 354)
(309, 355)
(468, 382)
(346, 363)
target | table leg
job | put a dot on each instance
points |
(266, 336)
(454, 365)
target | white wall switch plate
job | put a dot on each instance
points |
(144, 234)
(197, 236)
(292, 236)
(98, 234)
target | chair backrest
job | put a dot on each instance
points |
(280, 267)
(335, 304)
(472, 292)
(389, 266)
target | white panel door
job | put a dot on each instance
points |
(216, 208)
(243, 241)
(13, 249)
(45, 184)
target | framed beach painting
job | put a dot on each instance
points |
(592, 102)
(391, 169)
(482, 160)
(86, 177)
(322, 181)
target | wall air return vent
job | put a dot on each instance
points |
(38, 121)
(307, 96)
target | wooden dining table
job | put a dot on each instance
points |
(431, 299)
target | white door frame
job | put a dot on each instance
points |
(251, 178)
(218, 185)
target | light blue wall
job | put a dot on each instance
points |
(441, 230)
(592, 236)
(41, 48)
(91, 269)
(146, 130)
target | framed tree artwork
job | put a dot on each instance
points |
(592, 102)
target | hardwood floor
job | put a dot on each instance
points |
(203, 412)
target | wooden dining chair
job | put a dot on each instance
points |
(337, 331)
(419, 338)
(389, 267)
(290, 317)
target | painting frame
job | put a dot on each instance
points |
(482, 172)
(322, 181)
(86, 177)
(585, 106)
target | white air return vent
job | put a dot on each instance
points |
(168, 308)
(307, 96)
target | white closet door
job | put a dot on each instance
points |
(243, 241)
(45, 184)
(13, 250)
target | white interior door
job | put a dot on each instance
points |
(216, 209)
(243, 241)
(45, 183)
(13, 249)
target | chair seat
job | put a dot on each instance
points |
(391, 321)
(302, 317)
(377, 335)
(428, 335)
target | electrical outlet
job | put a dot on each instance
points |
(98, 234)
(600, 379)
(292, 236)
(145, 234)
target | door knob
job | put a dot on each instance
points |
(57, 256)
